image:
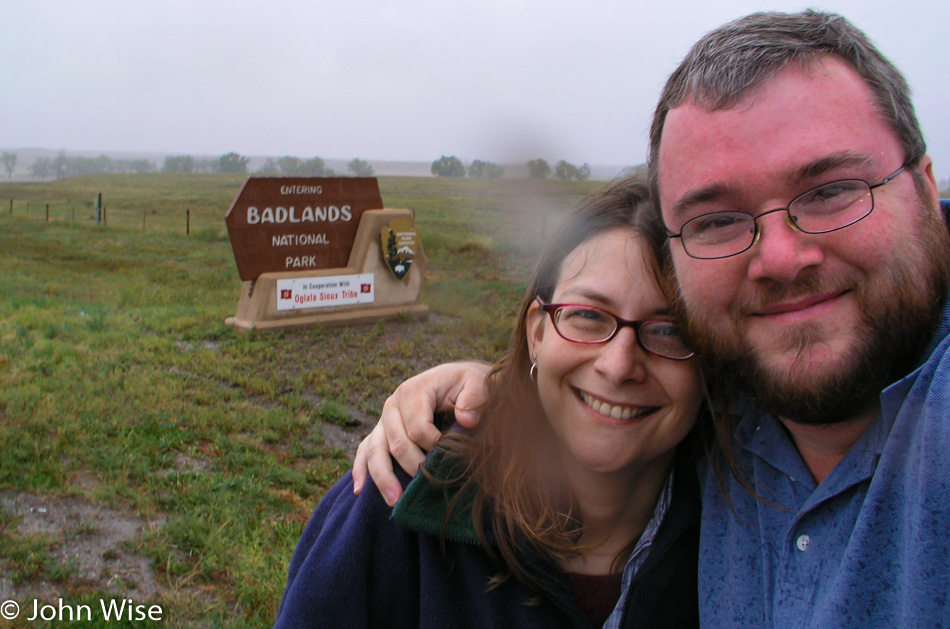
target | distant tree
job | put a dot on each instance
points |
(42, 168)
(289, 166)
(101, 164)
(633, 170)
(179, 164)
(206, 166)
(269, 169)
(138, 166)
(9, 161)
(565, 171)
(538, 169)
(359, 167)
(478, 168)
(76, 166)
(60, 165)
(232, 163)
(448, 166)
(583, 173)
(316, 167)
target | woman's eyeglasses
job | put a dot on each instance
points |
(587, 324)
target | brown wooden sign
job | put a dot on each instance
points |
(297, 223)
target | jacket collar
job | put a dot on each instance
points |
(425, 503)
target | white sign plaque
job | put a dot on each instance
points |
(321, 292)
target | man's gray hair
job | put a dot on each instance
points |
(727, 62)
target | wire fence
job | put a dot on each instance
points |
(184, 221)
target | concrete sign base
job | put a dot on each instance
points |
(363, 291)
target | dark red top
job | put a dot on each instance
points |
(597, 594)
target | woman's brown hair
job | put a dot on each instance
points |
(501, 459)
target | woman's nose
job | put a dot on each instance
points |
(621, 358)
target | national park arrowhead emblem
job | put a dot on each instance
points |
(400, 242)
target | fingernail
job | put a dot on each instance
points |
(390, 498)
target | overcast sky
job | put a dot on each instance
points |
(500, 80)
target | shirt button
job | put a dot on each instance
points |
(802, 542)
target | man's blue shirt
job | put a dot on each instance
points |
(868, 547)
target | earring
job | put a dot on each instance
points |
(533, 371)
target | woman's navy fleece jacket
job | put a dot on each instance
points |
(355, 566)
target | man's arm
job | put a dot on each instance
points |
(405, 429)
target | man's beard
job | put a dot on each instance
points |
(901, 307)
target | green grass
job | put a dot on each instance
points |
(115, 365)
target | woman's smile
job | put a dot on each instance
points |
(615, 411)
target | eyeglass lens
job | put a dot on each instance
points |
(826, 208)
(590, 325)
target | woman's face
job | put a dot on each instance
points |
(584, 387)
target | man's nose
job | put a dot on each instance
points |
(782, 251)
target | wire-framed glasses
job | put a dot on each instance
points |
(827, 208)
(587, 324)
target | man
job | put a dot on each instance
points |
(813, 264)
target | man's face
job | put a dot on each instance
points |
(804, 321)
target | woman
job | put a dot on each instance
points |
(565, 507)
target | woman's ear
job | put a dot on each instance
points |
(534, 327)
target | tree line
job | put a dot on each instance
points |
(452, 166)
(65, 166)
(287, 166)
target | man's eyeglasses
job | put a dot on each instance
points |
(586, 324)
(827, 208)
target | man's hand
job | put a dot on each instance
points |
(405, 428)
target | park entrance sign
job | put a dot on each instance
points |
(288, 224)
(309, 251)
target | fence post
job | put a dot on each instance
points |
(105, 217)
(47, 212)
(188, 222)
(99, 209)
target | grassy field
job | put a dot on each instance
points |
(127, 405)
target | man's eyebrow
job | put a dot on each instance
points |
(809, 171)
(705, 194)
(828, 163)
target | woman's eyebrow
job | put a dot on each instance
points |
(606, 303)
(585, 291)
